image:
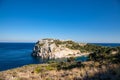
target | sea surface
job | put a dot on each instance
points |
(14, 55)
(107, 44)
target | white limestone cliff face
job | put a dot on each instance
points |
(52, 49)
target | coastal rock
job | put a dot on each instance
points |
(52, 49)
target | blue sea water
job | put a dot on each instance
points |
(107, 44)
(14, 55)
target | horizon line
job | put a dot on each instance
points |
(36, 41)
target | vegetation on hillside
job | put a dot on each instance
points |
(110, 55)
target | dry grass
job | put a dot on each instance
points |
(90, 71)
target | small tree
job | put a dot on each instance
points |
(71, 59)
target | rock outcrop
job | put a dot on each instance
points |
(52, 49)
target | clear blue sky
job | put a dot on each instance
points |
(79, 20)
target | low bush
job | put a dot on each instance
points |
(38, 69)
(105, 54)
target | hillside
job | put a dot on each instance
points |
(103, 64)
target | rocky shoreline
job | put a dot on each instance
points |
(53, 49)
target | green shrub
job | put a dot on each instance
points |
(41, 44)
(51, 61)
(58, 42)
(71, 59)
(38, 69)
(49, 67)
(104, 54)
(48, 79)
(54, 64)
(69, 65)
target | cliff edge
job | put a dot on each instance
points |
(52, 49)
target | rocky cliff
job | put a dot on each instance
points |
(52, 49)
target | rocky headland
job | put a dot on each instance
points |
(54, 48)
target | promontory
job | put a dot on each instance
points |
(54, 48)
